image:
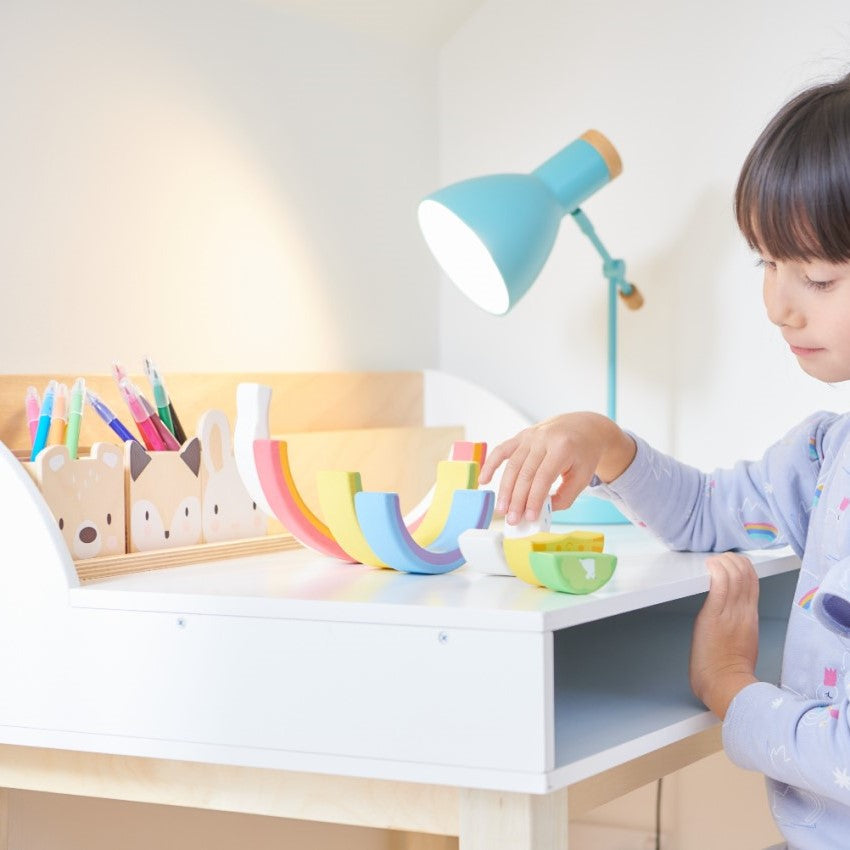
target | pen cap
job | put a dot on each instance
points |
(78, 396)
(60, 402)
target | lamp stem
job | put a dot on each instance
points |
(614, 271)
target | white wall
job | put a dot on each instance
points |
(682, 89)
(223, 184)
(227, 186)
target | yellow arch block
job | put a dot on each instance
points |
(336, 498)
(451, 475)
(518, 549)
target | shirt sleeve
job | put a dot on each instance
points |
(801, 742)
(754, 505)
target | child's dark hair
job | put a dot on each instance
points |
(793, 195)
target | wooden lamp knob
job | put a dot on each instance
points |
(634, 300)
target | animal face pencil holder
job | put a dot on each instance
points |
(228, 511)
(86, 495)
(163, 493)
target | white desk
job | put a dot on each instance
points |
(293, 685)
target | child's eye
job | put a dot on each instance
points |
(818, 284)
(761, 263)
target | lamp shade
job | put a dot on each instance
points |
(492, 235)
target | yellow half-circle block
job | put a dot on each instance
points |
(518, 549)
(451, 475)
(336, 498)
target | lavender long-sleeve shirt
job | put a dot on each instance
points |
(798, 494)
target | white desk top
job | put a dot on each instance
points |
(303, 585)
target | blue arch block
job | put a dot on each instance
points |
(382, 524)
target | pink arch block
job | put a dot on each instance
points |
(272, 460)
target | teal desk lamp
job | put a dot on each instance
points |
(492, 236)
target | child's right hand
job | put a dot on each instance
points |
(574, 446)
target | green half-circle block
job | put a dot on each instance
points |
(573, 572)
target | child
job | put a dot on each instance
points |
(792, 204)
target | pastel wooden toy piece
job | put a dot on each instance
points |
(573, 572)
(86, 496)
(452, 475)
(461, 450)
(519, 549)
(585, 541)
(483, 551)
(252, 423)
(383, 527)
(529, 527)
(163, 497)
(272, 462)
(337, 490)
(228, 511)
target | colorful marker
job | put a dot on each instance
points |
(32, 405)
(58, 417)
(179, 433)
(167, 437)
(75, 416)
(43, 420)
(109, 417)
(160, 394)
(147, 429)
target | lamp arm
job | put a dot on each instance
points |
(615, 273)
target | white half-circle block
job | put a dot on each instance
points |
(526, 528)
(483, 552)
(252, 423)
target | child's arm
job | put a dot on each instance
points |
(575, 446)
(755, 505)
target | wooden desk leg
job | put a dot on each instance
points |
(4, 819)
(492, 820)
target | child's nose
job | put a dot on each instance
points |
(781, 307)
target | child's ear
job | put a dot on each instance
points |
(139, 459)
(191, 454)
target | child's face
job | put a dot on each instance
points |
(810, 303)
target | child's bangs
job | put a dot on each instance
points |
(792, 212)
(793, 196)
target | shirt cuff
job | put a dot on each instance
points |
(746, 713)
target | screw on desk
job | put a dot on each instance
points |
(181, 623)
(443, 637)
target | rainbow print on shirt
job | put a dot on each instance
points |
(761, 532)
(806, 600)
(813, 449)
(818, 492)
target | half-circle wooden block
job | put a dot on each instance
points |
(518, 549)
(462, 450)
(272, 461)
(382, 524)
(573, 572)
(337, 490)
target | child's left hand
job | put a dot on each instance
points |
(725, 642)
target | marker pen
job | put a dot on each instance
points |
(160, 394)
(147, 429)
(109, 417)
(43, 420)
(75, 416)
(165, 435)
(32, 405)
(58, 417)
